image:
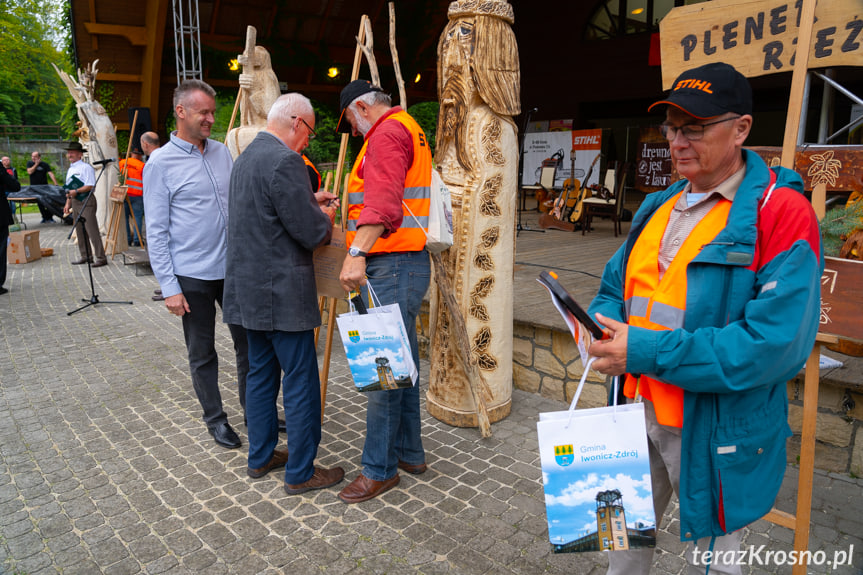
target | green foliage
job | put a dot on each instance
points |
(838, 223)
(31, 93)
(325, 147)
(425, 113)
(224, 108)
(68, 118)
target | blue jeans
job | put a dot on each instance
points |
(138, 211)
(393, 416)
(270, 352)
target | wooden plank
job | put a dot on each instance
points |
(807, 457)
(840, 168)
(114, 77)
(841, 299)
(781, 518)
(757, 37)
(137, 35)
(155, 16)
(798, 84)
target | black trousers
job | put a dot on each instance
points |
(199, 330)
(4, 238)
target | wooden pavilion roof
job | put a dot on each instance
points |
(134, 42)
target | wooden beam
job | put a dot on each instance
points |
(798, 82)
(155, 17)
(214, 15)
(93, 39)
(135, 34)
(114, 77)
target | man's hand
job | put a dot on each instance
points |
(326, 199)
(177, 304)
(67, 208)
(610, 353)
(353, 273)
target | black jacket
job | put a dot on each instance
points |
(8, 185)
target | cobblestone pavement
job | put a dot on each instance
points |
(106, 467)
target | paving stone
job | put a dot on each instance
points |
(108, 467)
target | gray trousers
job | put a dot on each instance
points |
(98, 253)
(663, 443)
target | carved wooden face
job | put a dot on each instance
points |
(457, 46)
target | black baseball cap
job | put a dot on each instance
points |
(350, 93)
(710, 91)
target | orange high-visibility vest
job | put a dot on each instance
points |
(134, 176)
(411, 235)
(660, 304)
(316, 185)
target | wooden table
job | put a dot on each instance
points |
(21, 202)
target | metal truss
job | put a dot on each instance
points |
(187, 40)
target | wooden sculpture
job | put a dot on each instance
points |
(98, 137)
(259, 88)
(477, 152)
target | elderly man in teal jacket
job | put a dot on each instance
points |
(713, 304)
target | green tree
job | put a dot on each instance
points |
(30, 91)
(425, 113)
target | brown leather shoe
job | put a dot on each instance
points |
(362, 488)
(321, 478)
(279, 458)
(100, 263)
(417, 469)
(79, 262)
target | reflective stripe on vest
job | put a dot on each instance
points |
(660, 304)
(134, 176)
(411, 235)
(315, 185)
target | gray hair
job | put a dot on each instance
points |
(287, 105)
(371, 99)
(182, 91)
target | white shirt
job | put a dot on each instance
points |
(84, 171)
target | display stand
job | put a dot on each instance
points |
(331, 301)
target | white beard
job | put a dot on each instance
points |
(363, 125)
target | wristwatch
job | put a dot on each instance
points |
(356, 252)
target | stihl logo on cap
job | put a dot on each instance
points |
(695, 85)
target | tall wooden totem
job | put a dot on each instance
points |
(477, 153)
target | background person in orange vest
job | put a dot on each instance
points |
(392, 168)
(135, 194)
(713, 304)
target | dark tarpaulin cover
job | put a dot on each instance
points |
(51, 197)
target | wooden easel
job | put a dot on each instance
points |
(331, 301)
(799, 522)
(118, 197)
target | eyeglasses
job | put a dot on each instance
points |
(312, 133)
(692, 132)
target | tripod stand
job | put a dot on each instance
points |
(94, 299)
(519, 227)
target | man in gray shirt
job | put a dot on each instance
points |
(187, 219)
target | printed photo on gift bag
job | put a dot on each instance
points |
(376, 359)
(377, 347)
(596, 478)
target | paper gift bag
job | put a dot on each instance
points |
(596, 478)
(377, 348)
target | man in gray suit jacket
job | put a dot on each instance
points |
(276, 223)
